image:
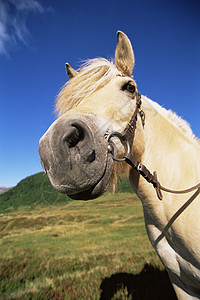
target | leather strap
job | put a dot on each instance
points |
(152, 178)
(139, 167)
(129, 131)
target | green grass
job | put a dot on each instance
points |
(80, 250)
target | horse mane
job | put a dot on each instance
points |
(174, 119)
(93, 75)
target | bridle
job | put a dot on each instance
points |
(129, 133)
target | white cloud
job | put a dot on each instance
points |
(13, 17)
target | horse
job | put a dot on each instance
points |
(83, 154)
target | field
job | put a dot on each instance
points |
(80, 250)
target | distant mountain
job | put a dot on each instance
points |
(4, 189)
(36, 190)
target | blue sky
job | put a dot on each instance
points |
(38, 37)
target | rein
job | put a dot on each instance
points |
(129, 132)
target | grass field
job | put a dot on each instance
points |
(81, 250)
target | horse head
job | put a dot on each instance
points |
(97, 100)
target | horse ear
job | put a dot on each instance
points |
(70, 71)
(124, 56)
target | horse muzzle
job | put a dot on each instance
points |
(75, 156)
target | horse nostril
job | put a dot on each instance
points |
(73, 136)
(91, 157)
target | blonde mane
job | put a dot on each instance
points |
(94, 74)
(173, 118)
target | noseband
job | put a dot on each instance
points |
(127, 135)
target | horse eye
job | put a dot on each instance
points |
(129, 87)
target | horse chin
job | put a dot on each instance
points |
(92, 192)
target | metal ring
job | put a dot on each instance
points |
(121, 138)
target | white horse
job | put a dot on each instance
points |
(75, 154)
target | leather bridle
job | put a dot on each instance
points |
(127, 135)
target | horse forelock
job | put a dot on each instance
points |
(94, 74)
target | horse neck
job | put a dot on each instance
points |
(169, 151)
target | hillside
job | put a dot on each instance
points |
(36, 190)
(30, 192)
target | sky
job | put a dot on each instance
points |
(37, 37)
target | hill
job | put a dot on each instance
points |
(30, 192)
(36, 190)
